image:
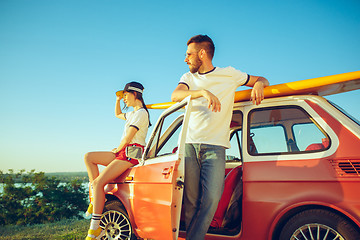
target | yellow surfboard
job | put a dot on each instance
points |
(321, 86)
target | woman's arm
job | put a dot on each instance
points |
(130, 133)
(118, 112)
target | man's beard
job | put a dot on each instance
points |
(195, 66)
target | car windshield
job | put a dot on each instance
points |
(345, 113)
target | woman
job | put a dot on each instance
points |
(116, 161)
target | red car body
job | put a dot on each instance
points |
(293, 171)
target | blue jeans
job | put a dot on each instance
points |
(204, 183)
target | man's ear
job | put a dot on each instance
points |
(202, 54)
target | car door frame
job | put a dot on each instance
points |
(157, 184)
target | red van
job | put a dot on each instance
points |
(292, 172)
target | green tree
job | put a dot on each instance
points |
(29, 198)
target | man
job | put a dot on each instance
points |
(212, 90)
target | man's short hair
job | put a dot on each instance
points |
(205, 42)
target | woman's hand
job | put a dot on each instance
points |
(119, 97)
(119, 94)
(118, 112)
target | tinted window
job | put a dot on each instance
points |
(284, 130)
(234, 153)
(269, 139)
(170, 145)
(166, 136)
(306, 135)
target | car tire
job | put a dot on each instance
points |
(116, 223)
(318, 224)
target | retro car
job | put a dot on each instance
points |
(292, 172)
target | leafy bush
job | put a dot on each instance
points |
(32, 198)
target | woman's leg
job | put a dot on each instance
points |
(92, 159)
(112, 171)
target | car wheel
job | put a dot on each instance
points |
(116, 223)
(318, 224)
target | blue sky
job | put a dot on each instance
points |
(62, 61)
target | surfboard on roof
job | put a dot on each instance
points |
(321, 86)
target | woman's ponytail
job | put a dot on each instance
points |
(144, 106)
(139, 96)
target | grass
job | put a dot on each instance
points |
(62, 230)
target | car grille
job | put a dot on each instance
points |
(347, 168)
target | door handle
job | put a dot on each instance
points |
(167, 171)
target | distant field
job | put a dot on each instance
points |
(62, 230)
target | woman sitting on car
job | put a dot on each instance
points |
(121, 158)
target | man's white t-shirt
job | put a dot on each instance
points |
(140, 120)
(206, 126)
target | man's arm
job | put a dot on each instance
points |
(258, 84)
(182, 91)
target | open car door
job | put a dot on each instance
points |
(157, 187)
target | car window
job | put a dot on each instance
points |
(306, 135)
(282, 130)
(170, 145)
(269, 139)
(233, 154)
(166, 135)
